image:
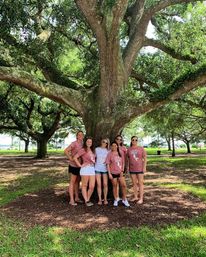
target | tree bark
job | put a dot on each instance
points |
(41, 148)
(26, 146)
(173, 145)
(168, 140)
(188, 146)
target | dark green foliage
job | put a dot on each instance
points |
(164, 92)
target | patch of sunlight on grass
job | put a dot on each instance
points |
(179, 161)
(187, 238)
(198, 191)
(27, 184)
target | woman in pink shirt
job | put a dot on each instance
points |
(70, 151)
(123, 151)
(115, 167)
(87, 171)
(136, 165)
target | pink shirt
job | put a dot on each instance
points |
(88, 158)
(135, 157)
(116, 163)
(123, 150)
(75, 147)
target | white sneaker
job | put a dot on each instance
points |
(115, 203)
(126, 203)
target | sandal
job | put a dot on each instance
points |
(105, 202)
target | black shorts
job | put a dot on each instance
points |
(74, 170)
(116, 175)
(136, 172)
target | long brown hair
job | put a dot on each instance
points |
(117, 148)
(85, 146)
(121, 144)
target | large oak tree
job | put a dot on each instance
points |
(116, 79)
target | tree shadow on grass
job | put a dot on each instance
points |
(49, 207)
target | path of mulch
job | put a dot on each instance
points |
(50, 208)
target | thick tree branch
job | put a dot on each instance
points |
(118, 10)
(89, 10)
(166, 3)
(172, 52)
(63, 95)
(136, 40)
(134, 14)
(179, 87)
(48, 68)
(142, 79)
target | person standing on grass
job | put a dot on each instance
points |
(115, 167)
(70, 151)
(87, 171)
(101, 170)
(136, 165)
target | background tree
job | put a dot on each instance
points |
(114, 79)
(185, 119)
(29, 115)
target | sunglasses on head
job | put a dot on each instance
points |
(134, 139)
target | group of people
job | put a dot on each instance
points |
(102, 163)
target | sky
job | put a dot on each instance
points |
(5, 140)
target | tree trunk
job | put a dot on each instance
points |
(173, 145)
(168, 140)
(41, 148)
(26, 146)
(188, 146)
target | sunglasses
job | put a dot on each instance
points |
(134, 139)
(104, 142)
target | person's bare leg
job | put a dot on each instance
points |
(141, 188)
(105, 188)
(114, 183)
(76, 191)
(122, 183)
(85, 180)
(71, 188)
(91, 187)
(99, 188)
(135, 186)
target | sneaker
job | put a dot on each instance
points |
(88, 204)
(115, 203)
(126, 203)
(118, 199)
(73, 204)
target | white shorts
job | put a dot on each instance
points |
(87, 171)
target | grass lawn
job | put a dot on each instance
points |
(184, 239)
(150, 151)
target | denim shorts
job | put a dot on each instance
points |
(100, 172)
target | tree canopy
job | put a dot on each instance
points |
(92, 55)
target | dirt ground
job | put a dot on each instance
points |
(50, 207)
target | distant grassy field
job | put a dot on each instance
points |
(150, 151)
(153, 151)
